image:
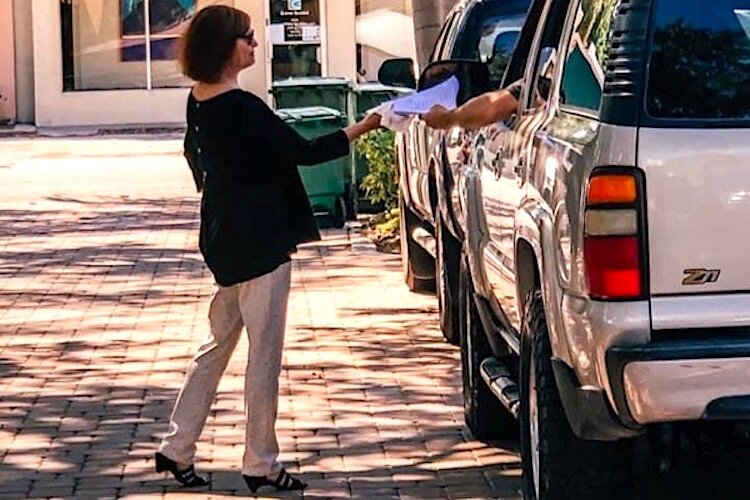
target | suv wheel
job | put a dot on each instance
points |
(487, 419)
(338, 212)
(446, 278)
(557, 464)
(418, 265)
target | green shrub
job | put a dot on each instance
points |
(381, 182)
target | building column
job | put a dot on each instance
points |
(24, 40)
(341, 45)
(429, 16)
(7, 64)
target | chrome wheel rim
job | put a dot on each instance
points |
(534, 425)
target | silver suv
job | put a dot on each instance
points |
(605, 268)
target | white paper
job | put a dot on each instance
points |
(390, 120)
(443, 94)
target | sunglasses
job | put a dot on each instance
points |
(248, 37)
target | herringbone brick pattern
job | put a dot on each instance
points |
(103, 299)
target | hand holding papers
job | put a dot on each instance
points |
(443, 94)
(389, 119)
(397, 114)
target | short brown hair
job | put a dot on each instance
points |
(208, 44)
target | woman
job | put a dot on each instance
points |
(254, 212)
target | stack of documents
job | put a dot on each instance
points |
(398, 113)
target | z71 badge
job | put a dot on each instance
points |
(701, 276)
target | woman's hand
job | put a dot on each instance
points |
(437, 117)
(371, 121)
(366, 124)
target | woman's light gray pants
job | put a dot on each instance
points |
(260, 304)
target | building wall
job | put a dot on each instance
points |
(339, 32)
(53, 107)
(256, 79)
(428, 18)
(7, 64)
(24, 55)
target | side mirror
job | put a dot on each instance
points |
(473, 77)
(397, 73)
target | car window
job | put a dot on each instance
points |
(700, 60)
(489, 32)
(450, 36)
(520, 58)
(440, 42)
(587, 54)
(546, 58)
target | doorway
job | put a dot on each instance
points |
(296, 37)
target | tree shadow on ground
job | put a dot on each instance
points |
(103, 214)
(83, 436)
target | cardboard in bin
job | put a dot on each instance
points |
(301, 92)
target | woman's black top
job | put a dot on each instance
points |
(254, 210)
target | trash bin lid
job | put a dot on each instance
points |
(282, 113)
(379, 87)
(311, 81)
(308, 113)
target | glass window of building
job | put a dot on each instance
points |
(124, 44)
(296, 38)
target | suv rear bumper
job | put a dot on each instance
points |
(668, 381)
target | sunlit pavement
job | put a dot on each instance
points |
(103, 299)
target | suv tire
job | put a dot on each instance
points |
(448, 256)
(417, 263)
(338, 212)
(557, 464)
(487, 419)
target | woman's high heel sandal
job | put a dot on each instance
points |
(284, 482)
(186, 477)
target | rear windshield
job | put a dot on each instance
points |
(700, 60)
(489, 33)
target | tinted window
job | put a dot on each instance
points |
(489, 33)
(587, 54)
(700, 60)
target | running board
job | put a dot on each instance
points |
(425, 240)
(497, 377)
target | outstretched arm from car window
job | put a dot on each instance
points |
(477, 112)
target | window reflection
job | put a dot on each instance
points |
(588, 52)
(700, 61)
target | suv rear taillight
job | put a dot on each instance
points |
(613, 236)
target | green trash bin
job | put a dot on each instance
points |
(327, 184)
(368, 96)
(328, 92)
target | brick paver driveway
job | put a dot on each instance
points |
(103, 298)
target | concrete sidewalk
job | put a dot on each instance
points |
(103, 299)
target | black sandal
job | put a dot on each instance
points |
(284, 482)
(186, 477)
